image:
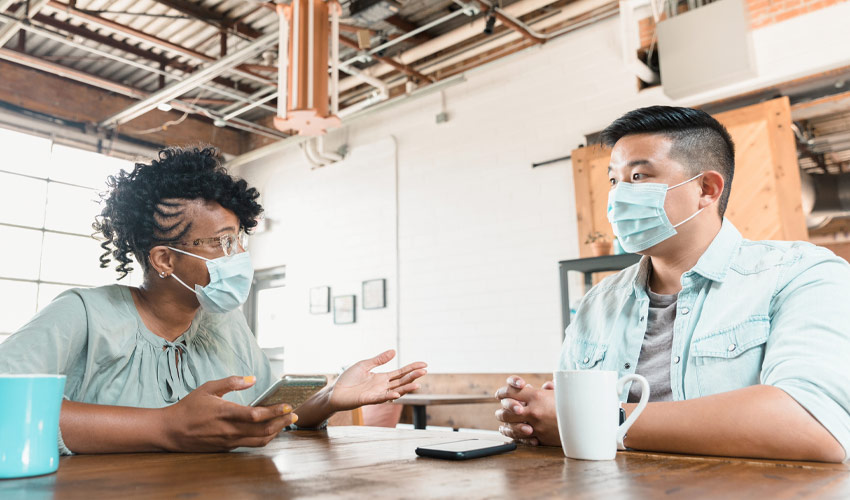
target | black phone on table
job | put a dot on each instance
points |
(465, 449)
(291, 389)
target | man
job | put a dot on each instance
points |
(745, 343)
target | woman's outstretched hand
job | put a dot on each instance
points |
(358, 386)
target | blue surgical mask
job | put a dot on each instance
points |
(230, 282)
(636, 213)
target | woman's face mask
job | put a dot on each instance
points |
(230, 282)
(636, 213)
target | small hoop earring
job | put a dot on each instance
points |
(162, 274)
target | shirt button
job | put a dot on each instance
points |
(586, 360)
(685, 311)
(642, 318)
(627, 366)
(732, 347)
(676, 360)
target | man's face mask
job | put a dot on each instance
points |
(230, 282)
(636, 213)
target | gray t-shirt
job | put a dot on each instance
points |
(655, 352)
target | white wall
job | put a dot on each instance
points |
(479, 231)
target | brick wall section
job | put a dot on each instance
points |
(762, 13)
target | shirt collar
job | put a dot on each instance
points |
(713, 264)
(715, 261)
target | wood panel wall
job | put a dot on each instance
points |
(765, 202)
(475, 416)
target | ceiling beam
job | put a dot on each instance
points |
(124, 46)
(197, 78)
(43, 91)
(210, 17)
(163, 44)
(9, 29)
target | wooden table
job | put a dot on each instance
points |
(420, 403)
(377, 463)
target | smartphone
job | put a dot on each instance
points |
(462, 450)
(291, 389)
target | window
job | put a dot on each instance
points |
(262, 309)
(49, 197)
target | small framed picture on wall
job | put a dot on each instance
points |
(320, 300)
(344, 309)
(375, 294)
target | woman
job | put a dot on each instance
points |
(172, 364)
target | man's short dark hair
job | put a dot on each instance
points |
(700, 142)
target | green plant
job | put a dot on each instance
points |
(596, 237)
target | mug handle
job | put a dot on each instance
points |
(644, 399)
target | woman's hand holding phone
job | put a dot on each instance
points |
(204, 422)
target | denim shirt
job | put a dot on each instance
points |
(750, 312)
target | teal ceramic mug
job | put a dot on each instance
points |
(29, 424)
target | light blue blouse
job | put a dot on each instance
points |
(96, 338)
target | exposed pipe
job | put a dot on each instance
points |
(461, 34)
(825, 197)
(375, 98)
(670, 8)
(251, 100)
(330, 156)
(309, 149)
(311, 44)
(495, 41)
(296, 35)
(631, 40)
(336, 11)
(282, 58)
(375, 82)
(193, 80)
(249, 107)
(279, 146)
(656, 13)
(404, 37)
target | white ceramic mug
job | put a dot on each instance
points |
(588, 406)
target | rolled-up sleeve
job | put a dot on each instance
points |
(809, 343)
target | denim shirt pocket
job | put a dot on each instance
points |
(587, 355)
(730, 358)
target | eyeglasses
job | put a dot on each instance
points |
(230, 243)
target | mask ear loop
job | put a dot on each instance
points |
(181, 282)
(691, 217)
(679, 184)
(698, 211)
(175, 276)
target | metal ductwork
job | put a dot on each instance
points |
(825, 197)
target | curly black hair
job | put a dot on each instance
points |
(140, 206)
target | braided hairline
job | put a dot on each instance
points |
(135, 200)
